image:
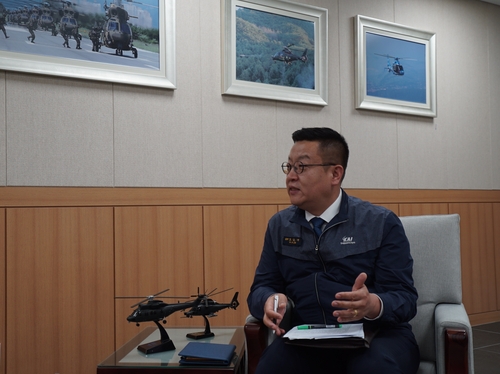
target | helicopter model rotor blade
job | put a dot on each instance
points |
(213, 294)
(151, 297)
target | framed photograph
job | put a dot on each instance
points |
(129, 42)
(395, 68)
(275, 50)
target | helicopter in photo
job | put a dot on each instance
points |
(117, 33)
(46, 21)
(395, 67)
(68, 25)
(287, 56)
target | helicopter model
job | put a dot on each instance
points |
(117, 33)
(151, 310)
(207, 308)
(287, 56)
(395, 68)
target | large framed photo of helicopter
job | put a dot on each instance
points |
(395, 68)
(275, 50)
(122, 41)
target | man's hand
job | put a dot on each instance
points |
(357, 304)
(272, 318)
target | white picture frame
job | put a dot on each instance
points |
(310, 86)
(41, 59)
(395, 68)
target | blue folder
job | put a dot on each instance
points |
(198, 353)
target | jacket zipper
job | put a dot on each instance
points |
(324, 267)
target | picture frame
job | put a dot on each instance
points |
(395, 68)
(275, 50)
(59, 55)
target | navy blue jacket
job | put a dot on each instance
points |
(361, 238)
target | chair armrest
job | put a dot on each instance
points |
(256, 335)
(454, 349)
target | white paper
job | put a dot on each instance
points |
(354, 330)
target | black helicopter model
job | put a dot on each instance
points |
(395, 68)
(117, 33)
(287, 56)
(151, 310)
(207, 308)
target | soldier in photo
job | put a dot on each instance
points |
(3, 20)
(95, 35)
(32, 23)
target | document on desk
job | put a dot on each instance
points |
(311, 332)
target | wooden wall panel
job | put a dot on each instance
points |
(3, 305)
(173, 238)
(423, 209)
(478, 256)
(393, 207)
(156, 248)
(59, 289)
(496, 225)
(234, 236)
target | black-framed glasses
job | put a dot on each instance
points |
(298, 166)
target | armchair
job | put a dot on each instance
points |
(441, 326)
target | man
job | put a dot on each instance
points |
(358, 269)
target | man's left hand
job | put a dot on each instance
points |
(357, 304)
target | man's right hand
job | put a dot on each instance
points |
(272, 318)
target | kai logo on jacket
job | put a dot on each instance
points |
(347, 240)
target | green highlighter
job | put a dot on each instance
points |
(310, 327)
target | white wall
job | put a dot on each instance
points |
(68, 132)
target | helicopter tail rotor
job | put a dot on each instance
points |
(235, 302)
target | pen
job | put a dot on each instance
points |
(275, 307)
(309, 327)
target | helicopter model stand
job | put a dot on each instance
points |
(202, 334)
(162, 345)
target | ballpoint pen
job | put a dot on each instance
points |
(275, 307)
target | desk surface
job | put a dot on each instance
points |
(128, 359)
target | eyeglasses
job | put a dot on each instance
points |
(298, 167)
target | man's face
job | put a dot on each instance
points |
(317, 187)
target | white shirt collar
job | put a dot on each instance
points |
(330, 212)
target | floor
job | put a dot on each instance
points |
(486, 340)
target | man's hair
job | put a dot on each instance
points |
(332, 146)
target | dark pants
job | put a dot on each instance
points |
(392, 351)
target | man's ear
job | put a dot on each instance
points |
(337, 174)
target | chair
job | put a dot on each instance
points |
(441, 327)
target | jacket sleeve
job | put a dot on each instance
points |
(267, 280)
(393, 281)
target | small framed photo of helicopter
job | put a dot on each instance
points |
(121, 41)
(395, 68)
(275, 50)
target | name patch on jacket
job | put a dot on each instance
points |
(294, 242)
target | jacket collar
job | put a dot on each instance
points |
(300, 215)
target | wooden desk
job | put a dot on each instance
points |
(128, 359)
